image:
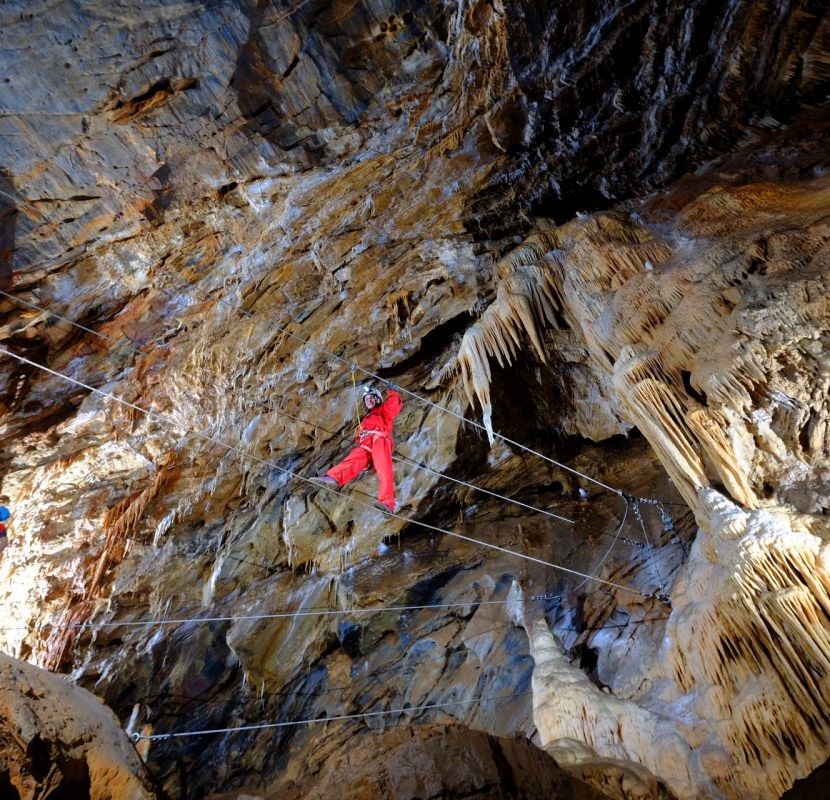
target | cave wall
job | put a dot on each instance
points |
(600, 230)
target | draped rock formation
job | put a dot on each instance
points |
(589, 242)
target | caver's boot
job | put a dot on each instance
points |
(326, 481)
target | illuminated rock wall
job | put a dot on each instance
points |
(598, 229)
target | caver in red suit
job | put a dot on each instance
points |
(374, 446)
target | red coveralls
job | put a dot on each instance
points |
(374, 438)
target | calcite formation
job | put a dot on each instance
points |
(691, 332)
(739, 679)
(588, 241)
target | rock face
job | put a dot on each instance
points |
(600, 232)
(431, 761)
(57, 740)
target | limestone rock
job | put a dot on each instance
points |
(432, 761)
(599, 229)
(57, 739)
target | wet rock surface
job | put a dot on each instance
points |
(599, 231)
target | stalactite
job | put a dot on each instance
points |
(657, 407)
(712, 431)
(524, 303)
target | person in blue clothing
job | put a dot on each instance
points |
(4, 536)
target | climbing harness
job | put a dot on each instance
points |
(362, 435)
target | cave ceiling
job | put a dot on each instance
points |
(588, 242)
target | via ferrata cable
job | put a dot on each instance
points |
(138, 737)
(282, 412)
(236, 448)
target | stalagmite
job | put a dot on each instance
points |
(757, 630)
(570, 711)
(601, 226)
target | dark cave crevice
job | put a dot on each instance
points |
(7, 788)
(433, 346)
(617, 120)
(8, 224)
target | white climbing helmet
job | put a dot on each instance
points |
(367, 390)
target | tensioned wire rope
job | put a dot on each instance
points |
(138, 737)
(377, 377)
(318, 612)
(354, 367)
(285, 614)
(282, 412)
(236, 448)
(388, 667)
(323, 613)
